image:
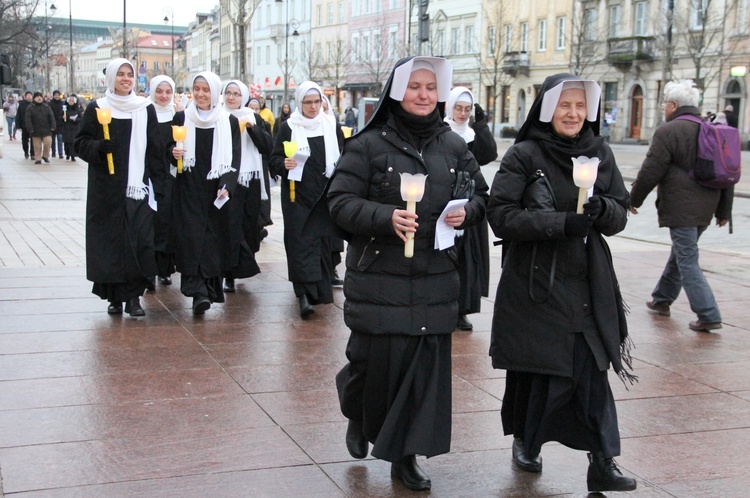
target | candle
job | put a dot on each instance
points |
(584, 176)
(412, 191)
(290, 148)
(104, 116)
(347, 131)
(178, 134)
(243, 125)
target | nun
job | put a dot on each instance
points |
(245, 207)
(202, 222)
(120, 205)
(472, 245)
(304, 175)
(559, 320)
(395, 389)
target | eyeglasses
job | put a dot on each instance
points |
(311, 102)
(463, 110)
(232, 94)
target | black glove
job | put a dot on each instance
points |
(106, 146)
(479, 113)
(594, 207)
(577, 225)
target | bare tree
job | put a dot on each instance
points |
(588, 42)
(376, 58)
(15, 19)
(494, 72)
(333, 67)
(241, 13)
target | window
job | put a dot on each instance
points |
(615, 14)
(319, 14)
(610, 99)
(641, 11)
(394, 4)
(507, 38)
(393, 43)
(441, 42)
(455, 41)
(366, 47)
(560, 40)
(316, 59)
(330, 14)
(156, 65)
(469, 35)
(291, 50)
(376, 47)
(698, 10)
(492, 39)
(268, 54)
(524, 37)
(741, 19)
(341, 12)
(355, 48)
(329, 46)
(589, 25)
(542, 38)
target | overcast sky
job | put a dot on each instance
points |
(138, 11)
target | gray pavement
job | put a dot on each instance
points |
(241, 402)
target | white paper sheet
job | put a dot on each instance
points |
(445, 235)
(151, 196)
(301, 157)
(219, 200)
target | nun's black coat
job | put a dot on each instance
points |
(119, 230)
(163, 233)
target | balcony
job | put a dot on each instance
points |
(625, 51)
(516, 63)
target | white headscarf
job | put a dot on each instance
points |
(459, 94)
(164, 113)
(320, 125)
(251, 164)
(131, 107)
(590, 87)
(218, 119)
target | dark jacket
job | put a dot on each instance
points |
(681, 202)
(23, 106)
(40, 122)
(483, 146)
(57, 111)
(72, 123)
(387, 293)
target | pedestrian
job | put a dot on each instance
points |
(72, 115)
(26, 143)
(350, 119)
(40, 123)
(683, 205)
(119, 219)
(245, 205)
(473, 244)
(161, 95)
(264, 215)
(319, 141)
(265, 112)
(559, 319)
(56, 104)
(396, 388)
(720, 118)
(10, 108)
(211, 163)
(286, 111)
(732, 119)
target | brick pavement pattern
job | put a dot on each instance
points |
(241, 401)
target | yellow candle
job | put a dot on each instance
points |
(346, 131)
(290, 148)
(178, 134)
(104, 116)
(243, 125)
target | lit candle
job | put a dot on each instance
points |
(290, 148)
(584, 176)
(346, 131)
(178, 134)
(412, 190)
(104, 116)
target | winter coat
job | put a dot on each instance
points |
(23, 106)
(550, 282)
(680, 201)
(72, 123)
(40, 121)
(10, 108)
(387, 293)
(57, 110)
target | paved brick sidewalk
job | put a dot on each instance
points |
(241, 402)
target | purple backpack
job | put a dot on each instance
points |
(719, 161)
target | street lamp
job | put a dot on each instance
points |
(72, 80)
(294, 24)
(47, 12)
(169, 16)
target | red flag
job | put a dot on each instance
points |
(278, 81)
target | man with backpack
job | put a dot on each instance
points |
(685, 206)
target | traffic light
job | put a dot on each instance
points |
(5, 77)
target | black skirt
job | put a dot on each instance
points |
(473, 268)
(577, 411)
(399, 386)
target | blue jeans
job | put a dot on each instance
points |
(10, 121)
(57, 140)
(683, 270)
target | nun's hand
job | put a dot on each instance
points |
(456, 218)
(404, 222)
(178, 153)
(289, 163)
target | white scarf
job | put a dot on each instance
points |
(218, 119)
(251, 164)
(463, 129)
(130, 107)
(164, 113)
(321, 125)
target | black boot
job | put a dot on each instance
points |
(229, 285)
(463, 323)
(200, 304)
(356, 442)
(305, 308)
(523, 461)
(409, 472)
(114, 308)
(134, 307)
(604, 475)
